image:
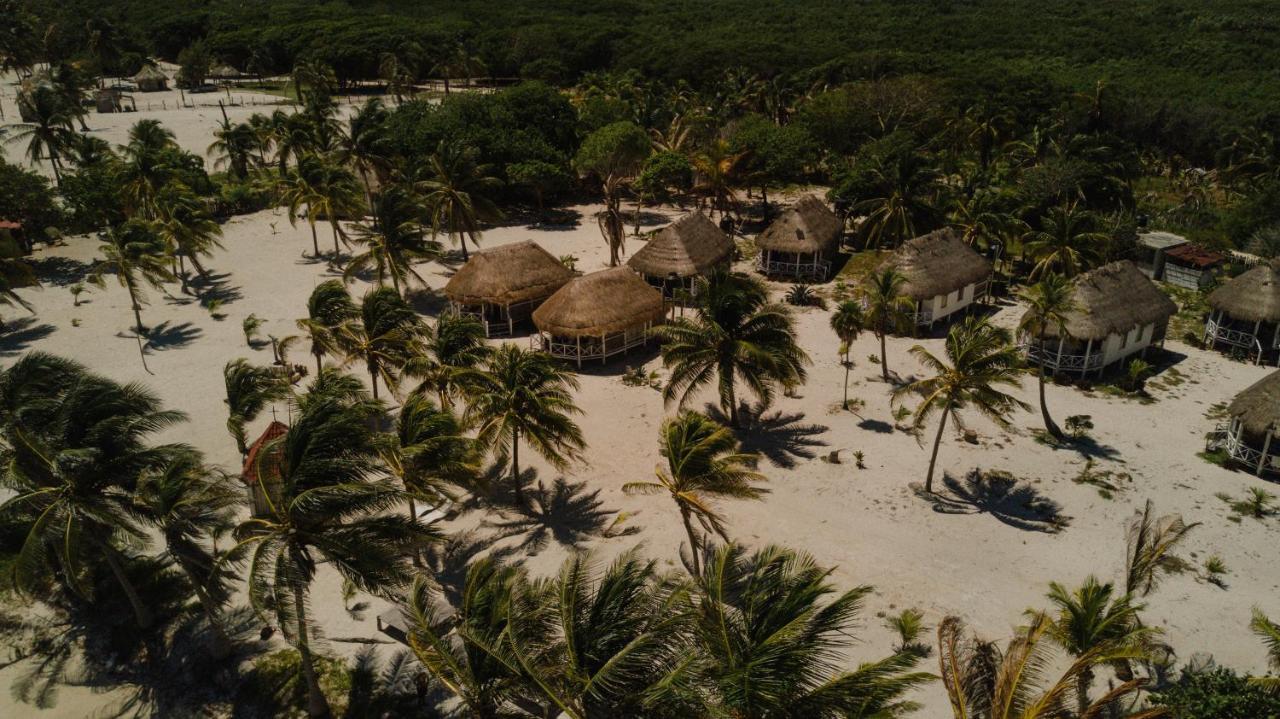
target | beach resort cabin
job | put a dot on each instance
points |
(1249, 437)
(502, 286)
(151, 79)
(1192, 266)
(1244, 314)
(599, 315)
(690, 247)
(943, 275)
(261, 472)
(1150, 253)
(1118, 313)
(800, 244)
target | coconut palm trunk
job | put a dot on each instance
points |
(141, 614)
(315, 240)
(515, 467)
(1050, 426)
(937, 442)
(317, 704)
(220, 644)
(884, 356)
(1084, 680)
(695, 547)
(847, 365)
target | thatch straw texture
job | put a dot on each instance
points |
(1258, 406)
(150, 72)
(1253, 296)
(507, 274)
(938, 263)
(598, 304)
(808, 227)
(1114, 299)
(692, 245)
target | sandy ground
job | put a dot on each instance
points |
(985, 563)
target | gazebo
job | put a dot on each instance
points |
(151, 79)
(1245, 313)
(598, 315)
(1118, 312)
(261, 471)
(1249, 436)
(943, 275)
(800, 243)
(687, 248)
(502, 286)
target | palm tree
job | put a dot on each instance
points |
(191, 505)
(427, 451)
(456, 193)
(50, 130)
(886, 308)
(136, 255)
(703, 464)
(1049, 302)
(766, 645)
(146, 168)
(1269, 632)
(1151, 543)
(293, 137)
(328, 307)
(716, 169)
(1066, 242)
(365, 142)
(979, 359)
(328, 509)
(737, 335)
(393, 239)
(847, 322)
(524, 395)
(249, 390)
(455, 345)
(314, 81)
(233, 146)
(905, 208)
(185, 223)
(74, 447)
(300, 187)
(327, 189)
(384, 336)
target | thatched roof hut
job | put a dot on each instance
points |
(1257, 407)
(507, 275)
(808, 227)
(938, 263)
(599, 304)
(690, 246)
(1253, 296)
(1113, 299)
(151, 78)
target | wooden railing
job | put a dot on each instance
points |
(817, 270)
(1214, 332)
(1049, 357)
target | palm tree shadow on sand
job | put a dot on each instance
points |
(782, 438)
(18, 335)
(1001, 495)
(565, 512)
(449, 561)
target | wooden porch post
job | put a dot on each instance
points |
(1257, 326)
(1084, 369)
(578, 340)
(1266, 447)
(511, 325)
(604, 348)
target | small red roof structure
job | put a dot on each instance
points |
(1195, 256)
(269, 464)
(10, 225)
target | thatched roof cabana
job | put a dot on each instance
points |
(808, 227)
(938, 263)
(151, 78)
(1113, 299)
(1253, 296)
(507, 275)
(690, 246)
(599, 304)
(1257, 407)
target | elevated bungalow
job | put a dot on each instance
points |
(1119, 313)
(690, 247)
(943, 275)
(151, 79)
(502, 286)
(801, 242)
(599, 315)
(1245, 314)
(1249, 437)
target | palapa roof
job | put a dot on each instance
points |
(254, 463)
(1258, 406)
(1253, 296)
(808, 226)
(600, 303)
(1113, 299)
(150, 72)
(938, 263)
(507, 275)
(692, 245)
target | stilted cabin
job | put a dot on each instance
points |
(1249, 437)
(599, 315)
(801, 243)
(503, 285)
(151, 79)
(943, 275)
(1119, 313)
(1244, 314)
(261, 472)
(688, 248)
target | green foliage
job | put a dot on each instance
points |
(614, 151)
(1217, 693)
(665, 174)
(26, 197)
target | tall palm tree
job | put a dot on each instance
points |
(453, 346)
(1049, 302)
(887, 308)
(191, 505)
(292, 135)
(329, 307)
(300, 188)
(233, 147)
(979, 359)
(392, 239)
(50, 131)
(703, 464)
(906, 206)
(847, 322)
(384, 336)
(74, 447)
(457, 192)
(1066, 242)
(146, 168)
(1269, 632)
(327, 189)
(737, 335)
(188, 228)
(428, 452)
(249, 390)
(330, 508)
(136, 255)
(717, 167)
(1151, 545)
(365, 144)
(524, 395)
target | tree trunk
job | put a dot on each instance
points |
(141, 614)
(695, 549)
(317, 704)
(319, 357)
(733, 406)
(847, 364)
(137, 311)
(937, 441)
(373, 378)
(884, 357)
(315, 241)
(1084, 680)
(515, 467)
(1050, 426)
(333, 223)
